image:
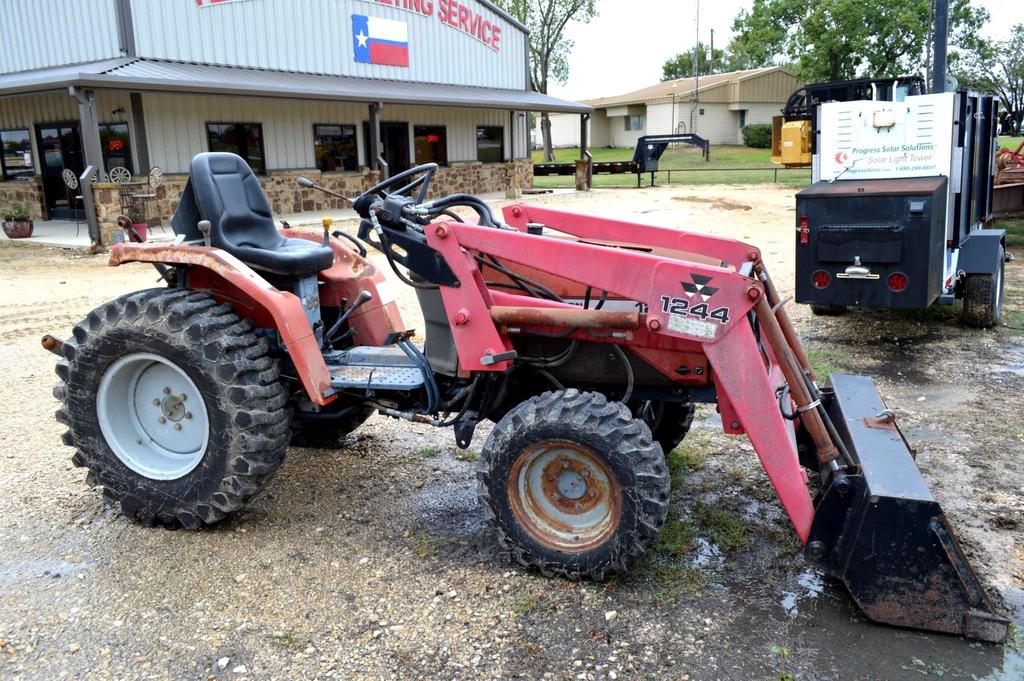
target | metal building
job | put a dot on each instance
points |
(348, 89)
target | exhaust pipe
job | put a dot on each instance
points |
(885, 536)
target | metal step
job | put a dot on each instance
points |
(373, 368)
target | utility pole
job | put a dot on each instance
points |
(711, 57)
(941, 38)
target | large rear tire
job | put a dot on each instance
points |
(574, 485)
(983, 297)
(174, 406)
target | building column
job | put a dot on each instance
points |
(376, 152)
(585, 154)
(90, 127)
(139, 141)
(93, 152)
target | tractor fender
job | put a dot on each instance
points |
(230, 280)
(980, 252)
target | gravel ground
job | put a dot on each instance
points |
(373, 562)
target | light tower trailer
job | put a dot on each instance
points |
(897, 213)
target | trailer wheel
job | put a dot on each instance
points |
(828, 310)
(983, 297)
(669, 421)
(573, 484)
(173, 405)
(321, 433)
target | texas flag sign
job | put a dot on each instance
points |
(380, 41)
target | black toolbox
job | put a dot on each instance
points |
(874, 243)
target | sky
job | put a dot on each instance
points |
(623, 49)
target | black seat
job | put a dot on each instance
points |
(228, 194)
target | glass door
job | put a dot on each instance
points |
(60, 148)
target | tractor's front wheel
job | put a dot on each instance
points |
(574, 484)
(173, 405)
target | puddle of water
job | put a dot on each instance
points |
(1015, 365)
(811, 585)
(707, 555)
(814, 616)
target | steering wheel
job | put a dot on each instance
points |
(381, 189)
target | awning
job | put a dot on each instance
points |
(166, 76)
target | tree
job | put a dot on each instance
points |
(681, 65)
(997, 68)
(843, 39)
(549, 50)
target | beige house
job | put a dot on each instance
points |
(715, 107)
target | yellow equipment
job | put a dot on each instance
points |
(791, 142)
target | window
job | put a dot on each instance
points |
(431, 143)
(634, 122)
(17, 154)
(490, 143)
(244, 139)
(743, 118)
(335, 147)
(116, 146)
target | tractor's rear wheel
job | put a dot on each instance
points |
(983, 297)
(328, 432)
(669, 421)
(173, 405)
(573, 484)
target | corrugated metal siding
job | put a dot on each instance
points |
(775, 86)
(315, 36)
(176, 126)
(43, 33)
(58, 107)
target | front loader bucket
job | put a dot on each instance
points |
(882, 533)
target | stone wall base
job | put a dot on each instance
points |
(29, 192)
(285, 196)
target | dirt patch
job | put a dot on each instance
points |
(373, 561)
(719, 203)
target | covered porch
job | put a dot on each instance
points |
(138, 113)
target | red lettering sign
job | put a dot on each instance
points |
(463, 18)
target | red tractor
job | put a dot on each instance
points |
(586, 341)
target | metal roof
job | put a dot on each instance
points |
(681, 88)
(167, 76)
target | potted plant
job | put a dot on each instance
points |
(139, 224)
(17, 222)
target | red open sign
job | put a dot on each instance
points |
(433, 139)
(115, 145)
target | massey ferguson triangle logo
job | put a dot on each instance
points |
(700, 287)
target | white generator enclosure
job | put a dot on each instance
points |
(901, 193)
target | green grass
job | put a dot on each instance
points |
(1014, 227)
(424, 545)
(823, 361)
(1010, 142)
(690, 455)
(724, 528)
(745, 166)
(526, 604)
(428, 452)
(467, 455)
